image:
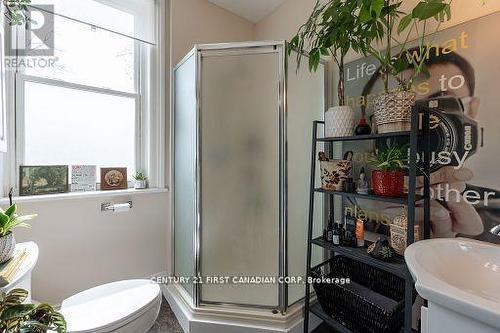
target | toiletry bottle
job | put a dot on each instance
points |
(360, 233)
(336, 234)
(350, 230)
(329, 230)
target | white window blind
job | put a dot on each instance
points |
(131, 18)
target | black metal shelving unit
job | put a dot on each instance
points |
(420, 118)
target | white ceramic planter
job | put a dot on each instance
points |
(141, 184)
(339, 121)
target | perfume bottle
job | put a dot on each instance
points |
(350, 231)
(363, 128)
(336, 233)
(329, 230)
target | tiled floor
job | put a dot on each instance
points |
(167, 323)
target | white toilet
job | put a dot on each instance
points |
(130, 306)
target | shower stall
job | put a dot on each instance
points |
(242, 126)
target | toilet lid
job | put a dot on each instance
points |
(109, 306)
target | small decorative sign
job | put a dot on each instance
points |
(37, 180)
(114, 179)
(83, 178)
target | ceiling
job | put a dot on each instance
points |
(252, 10)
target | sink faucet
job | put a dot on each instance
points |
(496, 230)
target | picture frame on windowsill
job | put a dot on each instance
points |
(114, 179)
(46, 179)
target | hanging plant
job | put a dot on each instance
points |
(16, 11)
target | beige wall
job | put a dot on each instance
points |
(81, 247)
(198, 21)
(286, 20)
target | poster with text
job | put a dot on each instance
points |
(464, 67)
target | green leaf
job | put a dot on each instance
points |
(314, 59)
(404, 23)
(426, 10)
(11, 211)
(17, 311)
(4, 219)
(364, 15)
(400, 64)
(376, 8)
(15, 297)
(447, 11)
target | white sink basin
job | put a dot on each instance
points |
(458, 274)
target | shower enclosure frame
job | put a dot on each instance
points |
(239, 48)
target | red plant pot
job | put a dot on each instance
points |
(388, 183)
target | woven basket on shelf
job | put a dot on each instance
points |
(399, 233)
(334, 173)
(372, 303)
(392, 111)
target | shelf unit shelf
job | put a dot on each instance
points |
(397, 266)
(404, 200)
(338, 327)
(366, 137)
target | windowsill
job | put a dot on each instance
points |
(83, 195)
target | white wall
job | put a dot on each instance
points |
(80, 247)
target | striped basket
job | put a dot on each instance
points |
(393, 111)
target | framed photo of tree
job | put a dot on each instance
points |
(38, 180)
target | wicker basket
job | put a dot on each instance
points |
(399, 233)
(393, 111)
(372, 303)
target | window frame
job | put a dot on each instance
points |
(149, 106)
(22, 79)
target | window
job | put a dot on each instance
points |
(91, 105)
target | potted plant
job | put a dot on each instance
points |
(141, 181)
(388, 178)
(18, 317)
(333, 29)
(8, 221)
(16, 11)
(392, 109)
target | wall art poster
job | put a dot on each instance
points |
(463, 64)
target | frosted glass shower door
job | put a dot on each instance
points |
(184, 170)
(240, 174)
